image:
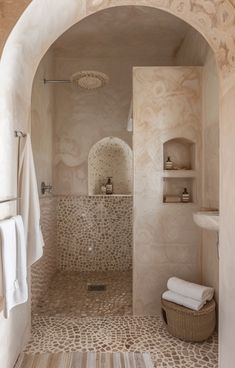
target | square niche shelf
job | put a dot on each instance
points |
(181, 152)
(174, 187)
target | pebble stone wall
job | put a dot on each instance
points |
(94, 233)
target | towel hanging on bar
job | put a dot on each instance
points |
(18, 134)
(29, 206)
(14, 265)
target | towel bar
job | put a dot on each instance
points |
(9, 200)
(18, 134)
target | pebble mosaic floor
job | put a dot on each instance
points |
(68, 295)
(70, 330)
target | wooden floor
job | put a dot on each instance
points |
(87, 360)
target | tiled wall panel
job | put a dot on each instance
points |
(94, 233)
(45, 267)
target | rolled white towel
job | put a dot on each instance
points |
(190, 290)
(183, 300)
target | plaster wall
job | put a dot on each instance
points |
(10, 12)
(167, 105)
(42, 118)
(195, 49)
(15, 331)
(85, 117)
(19, 322)
(210, 92)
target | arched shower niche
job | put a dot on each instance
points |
(110, 157)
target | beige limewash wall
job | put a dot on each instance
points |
(167, 104)
(82, 118)
(196, 49)
(14, 331)
(42, 115)
(210, 257)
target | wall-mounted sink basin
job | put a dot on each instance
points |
(208, 220)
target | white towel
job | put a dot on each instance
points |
(190, 290)
(183, 300)
(30, 207)
(15, 289)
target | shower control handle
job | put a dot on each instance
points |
(45, 188)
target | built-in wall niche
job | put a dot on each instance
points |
(181, 152)
(173, 189)
(110, 157)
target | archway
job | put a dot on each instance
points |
(31, 38)
(110, 157)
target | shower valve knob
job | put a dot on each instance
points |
(45, 188)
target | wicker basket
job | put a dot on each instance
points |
(187, 324)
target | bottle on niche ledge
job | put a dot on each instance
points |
(169, 164)
(103, 189)
(185, 196)
(109, 186)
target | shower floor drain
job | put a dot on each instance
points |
(96, 287)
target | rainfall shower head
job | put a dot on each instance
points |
(86, 79)
(89, 79)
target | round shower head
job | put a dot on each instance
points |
(89, 79)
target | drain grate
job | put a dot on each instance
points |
(96, 287)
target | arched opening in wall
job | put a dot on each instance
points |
(89, 142)
(110, 158)
(71, 179)
(169, 93)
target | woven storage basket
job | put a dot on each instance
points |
(187, 324)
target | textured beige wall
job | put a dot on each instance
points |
(18, 325)
(227, 236)
(19, 322)
(85, 117)
(210, 91)
(210, 81)
(10, 11)
(42, 119)
(195, 49)
(167, 104)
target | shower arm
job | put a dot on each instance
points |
(46, 81)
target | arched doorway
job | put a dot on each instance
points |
(215, 21)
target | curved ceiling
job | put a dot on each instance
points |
(129, 31)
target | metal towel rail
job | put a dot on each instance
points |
(9, 200)
(18, 134)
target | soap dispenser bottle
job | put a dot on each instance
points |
(109, 186)
(169, 164)
(185, 196)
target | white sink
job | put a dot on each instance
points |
(207, 220)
